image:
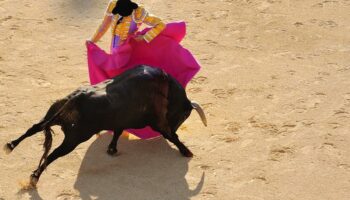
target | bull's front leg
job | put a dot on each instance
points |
(112, 147)
(174, 138)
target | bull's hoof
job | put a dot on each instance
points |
(29, 185)
(187, 153)
(33, 180)
(112, 151)
(8, 148)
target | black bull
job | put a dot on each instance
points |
(139, 97)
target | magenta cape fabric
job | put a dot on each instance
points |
(163, 52)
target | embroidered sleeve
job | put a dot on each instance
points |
(141, 15)
(105, 23)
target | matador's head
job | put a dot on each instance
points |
(124, 7)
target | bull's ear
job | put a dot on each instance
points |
(200, 111)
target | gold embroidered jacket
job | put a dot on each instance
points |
(138, 16)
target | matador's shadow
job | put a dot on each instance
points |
(142, 170)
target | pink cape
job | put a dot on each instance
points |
(163, 52)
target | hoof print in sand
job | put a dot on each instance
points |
(277, 153)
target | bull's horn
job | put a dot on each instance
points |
(198, 108)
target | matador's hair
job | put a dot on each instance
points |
(124, 7)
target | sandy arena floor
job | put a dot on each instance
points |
(274, 84)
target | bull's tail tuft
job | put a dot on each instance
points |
(200, 111)
(47, 144)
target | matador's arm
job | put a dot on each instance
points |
(142, 16)
(105, 23)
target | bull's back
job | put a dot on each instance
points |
(145, 81)
(140, 73)
(141, 81)
(128, 98)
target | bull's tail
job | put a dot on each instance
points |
(200, 111)
(47, 144)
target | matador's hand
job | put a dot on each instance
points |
(139, 38)
(88, 42)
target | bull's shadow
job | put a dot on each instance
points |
(142, 170)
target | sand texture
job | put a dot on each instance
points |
(275, 86)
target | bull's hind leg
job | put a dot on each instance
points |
(112, 147)
(70, 142)
(65, 148)
(34, 129)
